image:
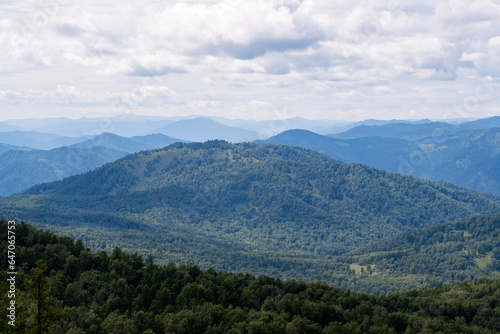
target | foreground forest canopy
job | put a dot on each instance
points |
(65, 288)
(271, 210)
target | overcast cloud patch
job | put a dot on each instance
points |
(267, 50)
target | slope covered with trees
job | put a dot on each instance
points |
(263, 209)
(65, 288)
(464, 249)
(22, 169)
(466, 156)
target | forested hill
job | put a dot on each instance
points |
(259, 208)
(464, 249)
(63, 287)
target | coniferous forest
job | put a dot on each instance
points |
(271, 210)
(63, 287)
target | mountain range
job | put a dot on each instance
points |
(23, 168)
(129, 125)
(464, 153)
(265, 209)
(202, 129)
(466, 157)
(126, 125)
(38, 140)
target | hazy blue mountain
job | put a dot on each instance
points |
(271, 127)
(129, 145)
(129, 125)
(483, 176)
(5, 147)
(335, 148)
(202, 129)
(413, 130)
(37, 140)
(22, 169)
(242, 207)
(451, 157)
(155, 140)
(466, 157)
(124, 125)
(5, 127)
(35, 124)
(399, 130)
(341, 128)
(485, 123)
(377, 152)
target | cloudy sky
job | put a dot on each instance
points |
(254, 59)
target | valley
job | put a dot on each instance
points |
(265, 209)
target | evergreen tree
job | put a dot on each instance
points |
(42, 310)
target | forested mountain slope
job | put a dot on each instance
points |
(464, 249)
(465, 156)
(129, 145)
(22, 169)
(378, 152)
(259, 208)
(63, 287)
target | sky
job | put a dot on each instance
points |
(322, 59)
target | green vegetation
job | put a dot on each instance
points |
(466, 156)
(65, 288)
(23, 168)
(269, 210)
(465, 249)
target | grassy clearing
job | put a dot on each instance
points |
(360, 269)
(482, 262)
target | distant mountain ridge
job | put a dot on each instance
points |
(202, 129)
(129, 145)
(129, 125)
(379, 152)
(466, 157)
(406, 131)
(462, 153)
(37, 140)
(125, 125)
(242, 207)
(23, 168)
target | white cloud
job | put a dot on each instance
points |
(235, 52)
(66, 90)
(157, 91)
(352, 94)
(383, 89)
(486, 62)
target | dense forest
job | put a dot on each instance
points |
(270, 210)
(63, 287)
(465, 156)
(464, 249)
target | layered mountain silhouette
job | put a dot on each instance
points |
(466, 157)
(242, 207)
(22, 168)
(202, 129)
